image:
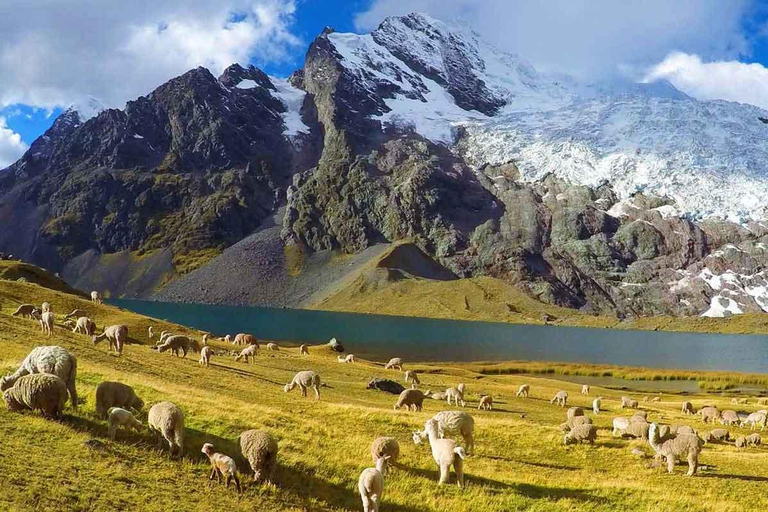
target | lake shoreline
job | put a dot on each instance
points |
(379, 337)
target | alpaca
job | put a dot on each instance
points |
(683, 445)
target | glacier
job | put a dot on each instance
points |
(493, 107)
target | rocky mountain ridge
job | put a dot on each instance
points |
(599, 197)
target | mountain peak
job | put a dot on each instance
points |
(245, 78)
(87, 109)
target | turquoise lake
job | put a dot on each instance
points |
(426, 339)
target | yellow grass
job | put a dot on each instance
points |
(520, 464)
(492, 300)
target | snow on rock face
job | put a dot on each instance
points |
(246, 84)
(88, 109)
(292, 98)
(435, 77)
(710, 157)
(722, 306)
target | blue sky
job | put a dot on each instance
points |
(310, 18)
(56, 54)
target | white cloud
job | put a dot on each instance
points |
(11, 145)
(591, 37)
(726, 80)
(56, 53)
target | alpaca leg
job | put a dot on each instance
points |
(317, 392)
(469, 439)
(693, 463)
(363, 496)
(444, 474)
(303, 389)
(670, 464)
(458, 466)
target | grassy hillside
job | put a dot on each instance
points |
(13, 270)
(520, 462)
(489, 299)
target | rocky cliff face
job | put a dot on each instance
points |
(410, 113)
(198, 163)
(604, 198)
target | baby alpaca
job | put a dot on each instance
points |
(205, 356)
(221, 466)
(561, 397)
(456, 395)
(273, 347)
(445, 452)
(394, 363)
(596, 403)
(486, 402)
(687, 408)
(85, 326)
(523, 391)
(303, 350)
(305, 380)
(412, 377)
(117, 335)
(585, 389)
(119, 417)
(96, 297)
(371, 485)
(249, 351)
(350, 358)
(46, 323)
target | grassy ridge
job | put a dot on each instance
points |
(492, 300)
(706, 379)
(520, 462)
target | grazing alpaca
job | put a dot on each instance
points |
(683, 445)
(445, 452)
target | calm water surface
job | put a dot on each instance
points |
(426, 339)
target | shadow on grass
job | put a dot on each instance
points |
(558, 493)
(300, 481)
(246, 373)
(745, 478)
(535, 464)
(469, 479)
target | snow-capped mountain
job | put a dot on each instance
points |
(711, 157)
(612, 197)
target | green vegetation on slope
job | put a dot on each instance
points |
(383, 290)
(13, 270)
(520, 462)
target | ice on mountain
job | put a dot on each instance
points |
(720, 305)
(246, 84)
(293, 99)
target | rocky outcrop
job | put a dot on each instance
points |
(198, 163)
